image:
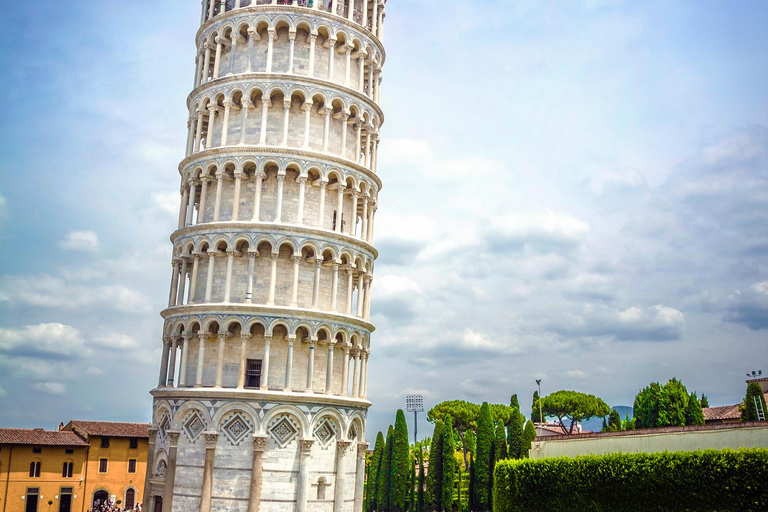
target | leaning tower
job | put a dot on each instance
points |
(261, 402)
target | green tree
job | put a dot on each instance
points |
(373, 472)
(434, 490)
(674, 400)
(535, 407)
(693, 413)
(448, 464)
(385, 474)
(754, 394)
(501, 412)
(472, 502)
(704, 402)
(646, 406)
(412, 486)
(605, 426)
(420, 448)
(464, 416)
(614, 421)
(500, 442)
(529, 436)
(573, 406)
(628, 424)
(514, 402)
(482, 466)
(515, 434)
(398, 482)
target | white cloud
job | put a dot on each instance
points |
(86, 241)
(116, 341)
(94, 371)
(389, 285)
(576, 374)
(167, 202)
(51, 340)
(3, 392)
(50, 388)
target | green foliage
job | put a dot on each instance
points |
(605, 426)
(434, 490)
(385, 474)
(464, 416)
(535, 407)
(614, 421)
(702, 481)
(373, 473)
(664, 406)
(472, 502)
(754, 392)
(470, 438)
(501, 412)
(482, 466)
(420, 448)
(628, 424)
(412, 486)
(704, 402)
(515, 434)
(398, 483)
(500, 442)
(448, 465)
(514, 402)
(693, 413)
(573, 406)
(528, 437)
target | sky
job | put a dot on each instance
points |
(574, 191)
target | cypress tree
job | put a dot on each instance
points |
(398, 482)
(472, 502)
(614, 421)
(515, 434)
(448, 464)
(605, 426)
(373, 473)
(754, 394)
(535, 413)
(420, 491)
(434, 489)
(485, 434)
(704, 402)
(514, 403)
(500, 442)
(693, 413)
(412, 487)
(528, 436)
(385, 474)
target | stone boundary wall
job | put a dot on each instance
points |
(673, 439)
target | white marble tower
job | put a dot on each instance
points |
(261, 402)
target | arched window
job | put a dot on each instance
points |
(66, 472)
(322, 483)
(34, 470)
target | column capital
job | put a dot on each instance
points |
(301, 179)
(228, 103)
(362, 449)
(210, 439)
(259, 443)
(287, 103)
(292, 34)
(239, 173)
(173, 437)
(342, 447)
(153, 434)
(266, 102)
(245, 336)
(305, 446)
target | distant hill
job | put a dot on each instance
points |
(596, 424)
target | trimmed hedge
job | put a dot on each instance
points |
(711, 481)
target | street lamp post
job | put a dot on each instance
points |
(541, 414)
(415, 404)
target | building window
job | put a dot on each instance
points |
(102, 465)
(253, 373)
(134, 443)
(105, 442)
(34, 470)
(131, 465)
(66, 472)
(69, 451)
(33, 493)
(37, 450)
(65, 500)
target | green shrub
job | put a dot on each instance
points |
(702, 481)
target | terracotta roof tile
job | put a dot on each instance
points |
(111, 429)
(40, 437)
(723, 412)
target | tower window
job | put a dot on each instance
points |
(253, 373)
(131, 465)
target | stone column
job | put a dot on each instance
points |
(174, 283)
(265, 364)
(254, 494)
(279, 206)
(209, 278)
(207, 62)
(331, 57)
(316, 287)
(257, 196)
(252, 36)
(369, 233)
(247, 105)
(286, 120)
(272, 280)
(364, 377)
(182, 282)
(307, 107)
(350, 288)
(361, 78)
(344, 127)
(219, 187)
(193, 280)
(198, 131)
(338, 493)
(348, 51)
(360, 295)
(311, 365)
(345, 373)
(362, 451)
(183, 208)
(364, 227)
(321, 210)
(170, 474)
(289, 364)
(335, 287)
(163, 379)
(233, 51)
(375, 154)
(356, 376)
(312, 43)
(270, 48)
(359, 138)
(340, 206)
(225, 122)
(192, 200)
(228, 282)
(374, 23)
(295, 288)
(201, 338)
(329, 370)
(217, 59)
(243, 353)
(213, 109)
(220, 362)
(198, 69)
(292, 50)
(367, 297)
(210, 456)
(353, 221)
(239, 175)
(249, 284)
(327, 128)
(172, 364)
(147, 498)
(302, 180)
(191, 125)
(184, 355)
(368, 146)
(203, 199)
(265, 104)
(302, 491)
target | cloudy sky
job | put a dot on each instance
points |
(575, 190)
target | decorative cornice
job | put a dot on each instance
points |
(282, 397)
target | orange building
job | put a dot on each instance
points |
(67, 470)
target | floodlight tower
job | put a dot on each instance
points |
(261, 402)
(415, 404)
